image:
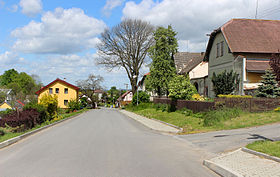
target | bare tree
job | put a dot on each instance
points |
(126, 45)
(89, 85)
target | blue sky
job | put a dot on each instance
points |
(57, 38)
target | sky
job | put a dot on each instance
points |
(58, 38)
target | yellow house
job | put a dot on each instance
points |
(64, 91)
(5, 105)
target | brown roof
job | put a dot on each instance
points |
(57, 80)
(257, 65)
(98, 91)
(185, 61)
(249, 36)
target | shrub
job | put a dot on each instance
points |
(198, 97)
(51, 104)
(180, 87)
(2, 131)
(28, 118)
(214, 117)
(225, 82)
(143, 97)
(74, 105)
(185, 111)
(277, 109)
(40, 108)
(235, 96)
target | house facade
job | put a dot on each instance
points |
(197, 69)
(64, 91)
(244, 46)
(125, 98)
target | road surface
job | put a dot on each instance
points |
(227, 140)
(101, 143)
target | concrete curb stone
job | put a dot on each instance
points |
(18, 138)
(221, 170)
(144, 120)
(261, 154)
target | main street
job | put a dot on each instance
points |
(101, 143)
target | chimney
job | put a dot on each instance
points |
(64, 79)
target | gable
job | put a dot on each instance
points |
(59, 82)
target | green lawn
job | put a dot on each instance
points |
(267, 147)
(194, 123)
(64, 116)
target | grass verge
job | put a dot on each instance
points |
(209, 121)
(10, 135)
(267, 147)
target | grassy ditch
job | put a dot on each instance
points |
(223, 119)
(9, 134)
(267, 147)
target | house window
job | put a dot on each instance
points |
(66, 91)
(65, 102)
(218, 50)
(222, 48)
(50, 91)
(57, 90)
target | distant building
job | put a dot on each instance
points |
(64, 91)
(125, 98)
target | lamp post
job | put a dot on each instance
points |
(134, 77)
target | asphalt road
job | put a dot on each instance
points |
(101, 143)
(227, 140)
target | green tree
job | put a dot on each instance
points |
(180, 87)
(21, 84)
(2, 97)
(8, 77)
(268, 88)
(162, 54)
(225, 83)
(143, 97)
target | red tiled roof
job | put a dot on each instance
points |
(256, 65)
(249, 36)
(57, 80)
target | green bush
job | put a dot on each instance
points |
(74, 105)
(235, 96)
(143, 97)
(214, 117)
(180, 87)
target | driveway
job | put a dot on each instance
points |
(101, 143)
(227, 140)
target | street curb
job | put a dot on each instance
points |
(261, 154)
(219, 169)
(171, 125)
(20, 137)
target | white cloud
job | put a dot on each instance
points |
(31, 7)
(75, 67)
(14, 8)
(2, 3)
(110, 5)
(9, 58)
(193, 19)
(63, 31)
